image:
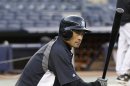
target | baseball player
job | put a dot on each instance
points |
(52, 65)
(123, 52)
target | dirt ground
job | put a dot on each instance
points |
(95, 73)
(88, 76)
(80, 73)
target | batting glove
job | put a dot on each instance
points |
(103, 82)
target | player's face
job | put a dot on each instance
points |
(76, 39)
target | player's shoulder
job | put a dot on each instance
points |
(58, 47)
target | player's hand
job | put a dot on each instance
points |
(103, 82)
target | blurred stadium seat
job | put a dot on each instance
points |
(33, 13)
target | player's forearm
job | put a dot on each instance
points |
(82, 83)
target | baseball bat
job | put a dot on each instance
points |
(113, 36)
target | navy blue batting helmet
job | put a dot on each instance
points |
(70, 23)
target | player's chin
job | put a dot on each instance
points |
(76, 46)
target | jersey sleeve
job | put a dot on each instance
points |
(62, 67)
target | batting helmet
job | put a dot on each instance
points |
(70, 23)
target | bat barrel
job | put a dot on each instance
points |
(114, 34)
(120, 10)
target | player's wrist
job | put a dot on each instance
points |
(103, 82)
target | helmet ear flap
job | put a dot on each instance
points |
(67, 34)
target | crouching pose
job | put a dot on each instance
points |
(52, 65)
